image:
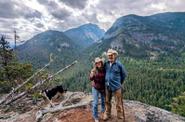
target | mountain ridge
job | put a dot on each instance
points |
(147, 36)
(86, 34)
(38, 49)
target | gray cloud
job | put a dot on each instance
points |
(39, 25)
(43, 1)
(80, 4)
(32, 17)
(32, 14)
(14, 9)
(91, 18)
(61, 15)
(55, 10)
(7, 10)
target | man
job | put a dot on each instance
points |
(114, 78)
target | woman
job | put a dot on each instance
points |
(97, 76)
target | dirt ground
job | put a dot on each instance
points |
(84, 114)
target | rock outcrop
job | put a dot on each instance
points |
(147, 113)
(135, 112)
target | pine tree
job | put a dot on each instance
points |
(12, 73)
(6, 56)
(178, 104)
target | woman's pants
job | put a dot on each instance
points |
(95, 94)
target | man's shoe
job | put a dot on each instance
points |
(120, 117)
(105, 117)
(102, 115)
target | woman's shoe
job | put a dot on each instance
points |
(96, 120)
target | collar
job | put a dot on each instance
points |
(116, 61)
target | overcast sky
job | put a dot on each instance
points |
(30, 17)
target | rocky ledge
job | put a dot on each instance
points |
(77, 108)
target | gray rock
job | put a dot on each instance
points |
(147, 113)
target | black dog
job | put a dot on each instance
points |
(56, 91)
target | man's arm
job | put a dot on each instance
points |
(123, 73)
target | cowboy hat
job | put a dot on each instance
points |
(111, 52)
(98, 59)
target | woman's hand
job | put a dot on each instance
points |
(93, 71)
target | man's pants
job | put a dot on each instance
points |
(119, 102)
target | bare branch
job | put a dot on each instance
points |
(38, 84)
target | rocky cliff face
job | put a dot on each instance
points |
(147, 113)
(135, 112)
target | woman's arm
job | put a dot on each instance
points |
(92, 74)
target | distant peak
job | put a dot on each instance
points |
(51, 31)
(89, 25)
(132, 15)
